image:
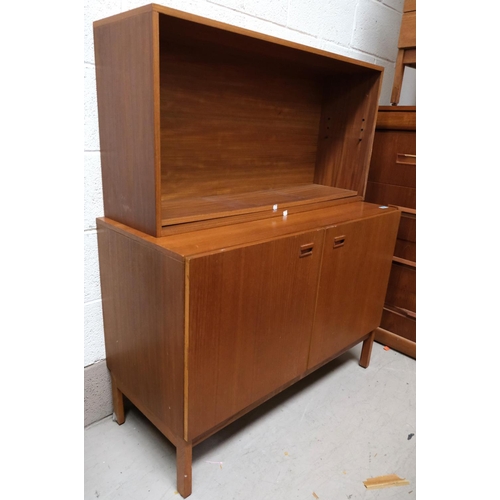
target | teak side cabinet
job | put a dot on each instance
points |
(392, 181)
(236, 252)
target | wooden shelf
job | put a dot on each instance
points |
(212, 207)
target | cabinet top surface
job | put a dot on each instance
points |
(219, 239)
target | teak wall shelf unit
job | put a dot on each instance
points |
(236, 252)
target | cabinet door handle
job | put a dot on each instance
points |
(339, 241)
(306, 250)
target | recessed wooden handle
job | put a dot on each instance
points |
(339, 241)
(306, 250)
(406, 159)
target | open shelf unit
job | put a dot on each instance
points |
(200, 120)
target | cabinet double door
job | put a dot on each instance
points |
(260, 316)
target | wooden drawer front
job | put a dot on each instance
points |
(401, 291)
(387, 194)
(394, 158)
(408, 227)
(400, 324)
(406, 246)
(397, 118)
(392, 176)
(405, 250)
(250, 316)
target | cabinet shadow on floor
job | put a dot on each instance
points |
(243, 423)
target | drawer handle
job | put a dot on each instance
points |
(306, 250)
(406, 159)
(338, 241)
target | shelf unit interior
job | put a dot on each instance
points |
(247, 124)
(200, 121)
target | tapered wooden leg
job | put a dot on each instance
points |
(366, 351)
(118, 407)
(184, 468)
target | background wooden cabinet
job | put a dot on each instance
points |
(392, 181)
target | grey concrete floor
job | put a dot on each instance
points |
(319, 439)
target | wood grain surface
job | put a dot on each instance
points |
(143, 307)
(251, 311)
(353, 282)
(126, 76)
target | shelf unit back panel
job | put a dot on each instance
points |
(233, 127)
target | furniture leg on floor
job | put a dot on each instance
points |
(366, 350)
(184, 468)
(118, 407)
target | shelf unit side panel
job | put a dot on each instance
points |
(347, 129)
(125, 57)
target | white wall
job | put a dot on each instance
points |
(363, 29)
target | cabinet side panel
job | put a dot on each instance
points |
(251, 313)
(125, 52)
(143, 307)
(354, 276)
(346, 131)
